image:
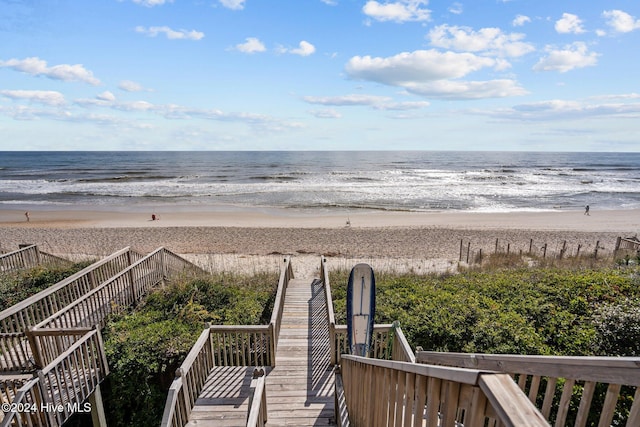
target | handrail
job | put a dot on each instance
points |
(324, 276)
(188, 383)
(20, 259)
(581, 374)
(401, 349)
(28, 393)
(62, 385)
(403, 393)
(384, 335)
(286, 274)
(20, 316)
(48, 344)
(124, 288)
(257, 412)
(236, 345)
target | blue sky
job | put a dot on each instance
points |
(319, 75)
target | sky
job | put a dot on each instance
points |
(512, 75)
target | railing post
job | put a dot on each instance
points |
(46, 403)
(36, 351)
(98, 417)
(272, 345)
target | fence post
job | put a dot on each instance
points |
(544, 251)
(496, 251)
(468, 250)
(578, 252)
(461, 243)
(530, 245)
(595, 253)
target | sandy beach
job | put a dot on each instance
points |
(433, 238)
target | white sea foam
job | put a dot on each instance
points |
(488, 182)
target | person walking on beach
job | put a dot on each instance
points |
(586, 210)
(26, 214)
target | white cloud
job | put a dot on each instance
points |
(569, 23)
(455, 89)
(233, 4)
(489, 40)
(558, 109)
(417, 66)
(47, 97)
(398, 11)
(520, 20)
(130, 86)
(576, 55)
(431, 73)
(304, 49)
(347, 100)
(330, 2)
(620, 21)
(251, 45)
(377, 102)
(38, 67)
(151, 3)
(171, 34)
(456, 8)
(325, 114)
(106, 96)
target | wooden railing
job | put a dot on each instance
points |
(324, 276)
(257, 416)
(627, 245)
(122, 290)
(552, 382)
(27, 257)
(242, 345)
(188, 383)
(388, 342)
(389, 393)
(62, 386)
(47, 344)
(17, 319)
(286, 274)
(38, 307)
(174, 265)
(23, 258)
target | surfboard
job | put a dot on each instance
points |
(361, 307)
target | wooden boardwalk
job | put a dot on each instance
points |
(299, 389)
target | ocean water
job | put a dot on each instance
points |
(320, 181)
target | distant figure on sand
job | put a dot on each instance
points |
(153, 217)
(586, 210)
(26, 214)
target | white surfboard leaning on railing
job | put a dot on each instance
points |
(361, 307)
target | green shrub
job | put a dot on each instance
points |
(618, 328)
(15, 287)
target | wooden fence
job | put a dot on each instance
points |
(390, 393)
(565, 388)
(28, 256)
(473, 254)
